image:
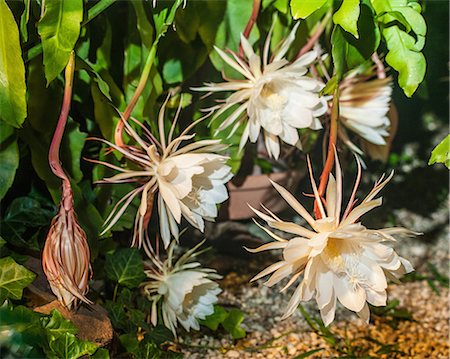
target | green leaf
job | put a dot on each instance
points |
(9, 157)
(339, 51)
(212, 321)
(236, 16)
(13, 279)
(232, 324)
(25, 334)
(2, 242)
(68, 346)
(101, 353)
(173, 71)
(130, 342)
(117, 315)
(301, 9)
(28, 212)
(59, 29)
(441, 153)
(347, 16)
(24, 20)
(403, 57)
(404, 53)
(13, 108)
(62, 342)
(349, 52)
(56, 325)
(159, 334)
(125, 267)
(143, 24)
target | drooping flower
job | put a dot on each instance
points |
(65, 258)
(363, 108)
(276, 96)
(66, 254)
(189, 181)
(339, 258)
(187, 292)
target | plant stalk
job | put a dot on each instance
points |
(251, 22)
(315, 36)
(141, 85)
(331, 148)
(53, 154)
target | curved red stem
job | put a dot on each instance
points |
(53, 154)
(329, 163)
(250, 23)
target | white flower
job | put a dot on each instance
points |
(363, 108)
(276, 96)
(190, 180)
(338, 257)
(186, 291)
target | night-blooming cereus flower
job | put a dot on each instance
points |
(189, 181)
(187, 292)
(65, 258)
(363, 109)
(276, 96)
(339, 258)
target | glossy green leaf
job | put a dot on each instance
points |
(28, 212)
(56, 325)
(301, 9)
(9, 157)
(232, 324)
(24, 18)
(404, 53)
(144, 26)
(125, 267)
(339, 51)
(62, 342)
(214, 320)
(349, 52)
(347, 16)
(13, 108)
(59, 29)
(404, 58)
(13, 279)
(236, 16)
(441, 153)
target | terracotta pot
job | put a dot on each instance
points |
(255, 190)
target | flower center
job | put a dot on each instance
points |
(272, 97)
(332, 255)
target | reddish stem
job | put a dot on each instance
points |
(53, 154)
(250, 23)
(314, 37)
(381, 71)
(329, 163)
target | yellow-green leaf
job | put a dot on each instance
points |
(301, 9)
(59, 29)
(404, 47)
(13, 279)
(13, 108)
(347, 16)
(441, 153)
